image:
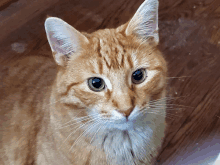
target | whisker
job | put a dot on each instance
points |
(75, 122)
(157, 111)
(175, 109)
(169, 115)
(167, 98)
(84, 132)
(178, 77)
(72, 119)
(167, 105)
(102, 126)
(84, 125)
(158, 114)
(95, 135)
(78, 120)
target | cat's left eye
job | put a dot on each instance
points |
(96, 84)
(139, 76)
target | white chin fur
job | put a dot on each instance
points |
(125, 142)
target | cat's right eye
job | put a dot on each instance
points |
(96, 84)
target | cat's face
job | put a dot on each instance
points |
(115, 77)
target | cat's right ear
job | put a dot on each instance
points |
(63, 39)
(144, 23)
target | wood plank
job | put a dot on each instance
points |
(5, 2)
(21, 13)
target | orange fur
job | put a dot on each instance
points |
(43, 102)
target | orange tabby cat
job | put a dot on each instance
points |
(101, 103)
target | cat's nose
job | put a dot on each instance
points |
(127, 112)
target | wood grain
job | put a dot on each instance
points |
(5, 2)
(190, 40)
(21, 12)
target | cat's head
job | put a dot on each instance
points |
(111, 74)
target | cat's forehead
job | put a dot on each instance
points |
(110, 52)
(118, 51)
(109, 43)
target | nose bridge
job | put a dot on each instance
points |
(123, 101)
(121, 95)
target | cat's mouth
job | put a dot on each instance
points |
(124, 125)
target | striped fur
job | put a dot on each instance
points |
(52, 117)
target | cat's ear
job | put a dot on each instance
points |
(64, 40)
(144, 23)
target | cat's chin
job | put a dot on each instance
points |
(123, 142)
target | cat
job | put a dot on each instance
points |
(103, 100)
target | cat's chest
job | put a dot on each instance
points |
(48, 153)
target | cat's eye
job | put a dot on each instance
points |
(139, 76)
(96, 84)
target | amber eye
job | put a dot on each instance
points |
(96, 84)
(139, 76)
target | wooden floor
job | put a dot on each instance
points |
(190, 40)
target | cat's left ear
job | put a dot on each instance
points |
(64, 40)
(144, 23)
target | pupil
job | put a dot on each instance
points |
(97, 82)
(138, 75)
